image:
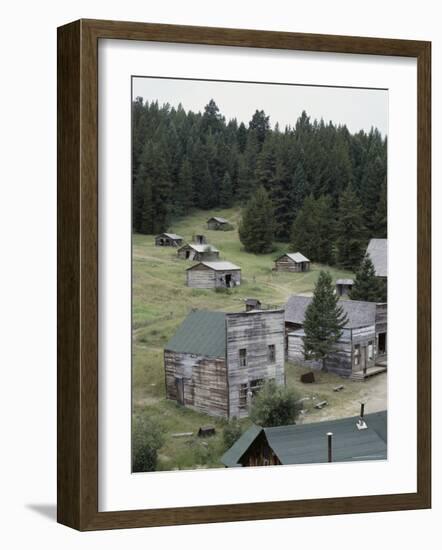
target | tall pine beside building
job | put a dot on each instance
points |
(324, 320)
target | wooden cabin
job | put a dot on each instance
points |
(216, 362)
(198, 252)
(344, 286)
(295, 262)
(359, 353)
(200, 239)
(168, 239)
(217, 223)
(214, 275)
(252, 303)
(377, 249)
(309, 443)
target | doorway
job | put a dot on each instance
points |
(382, 343)
(228, 280)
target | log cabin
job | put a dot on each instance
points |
(216, 362)
(216, 223)
(309, 443)
(295, 262)
(377, 249)
(359, 353)
(344, 286)
(198, 252)
(213, 275)
(168, 239)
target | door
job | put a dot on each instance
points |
(179, 385)
(228, 280)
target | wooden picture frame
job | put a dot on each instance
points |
(78, 274)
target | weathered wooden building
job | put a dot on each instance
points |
(295, 262)
(252, 303)
(217, 361)
(309, 443)
(362, 349)
(168, 239)
(217, 223)
(198, 252)
(213, 275)
(344, 286)
(200, 239)
(377, 249)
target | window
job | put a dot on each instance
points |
(370, 350)
(255, 385)
(272, 353)
(357, 354)
(243, 357)
(243, 390)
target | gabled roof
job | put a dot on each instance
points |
(377, 249)
(359, 314)
(307, 443)
(252, 301)
(201, 247)
(218, 219)
(344, 281)
(218, 266)
(295, 256)
(202, 332)
(172, 236)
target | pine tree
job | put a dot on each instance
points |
(226, 192)
(324, 320)
(184, 190)
(313, 230)
(380, 215)
(367, 287)
(260, 125)
(350, 232)
(256, 230)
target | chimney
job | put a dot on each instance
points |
(330, 453)
(361, 424)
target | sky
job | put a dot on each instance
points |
(359, 109)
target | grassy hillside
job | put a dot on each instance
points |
(161, 301)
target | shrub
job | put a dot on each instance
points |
(232, 432)
(147, 438)
(275, 405)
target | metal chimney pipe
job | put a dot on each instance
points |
(362, 410)
(329, 438)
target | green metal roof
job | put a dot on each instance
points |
(202, 332)
(231, 456)
(307, 443)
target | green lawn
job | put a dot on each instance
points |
(161, 301)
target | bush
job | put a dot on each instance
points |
(147, 438)
(232, 432)
(275, 406)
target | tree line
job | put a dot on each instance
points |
(318, 181)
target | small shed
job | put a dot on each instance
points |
(200, 239)
(292, 261)
(217, 223)
(213, 275)
(252, 303)
(344, 286)
(168, 239)
(198, 252)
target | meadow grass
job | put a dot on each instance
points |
(161, 300)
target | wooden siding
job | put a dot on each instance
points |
(204, 381)
(342, 360)
(213, 224)
(287, 264)
(254, 331)
(259, 453)
(204, 277)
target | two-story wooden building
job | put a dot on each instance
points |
(217, 361)
(362, 349)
